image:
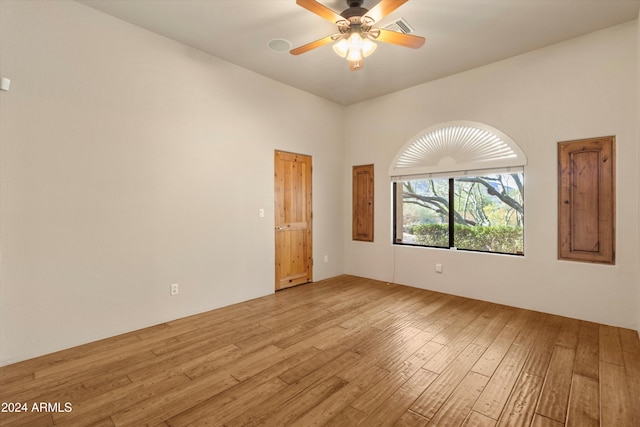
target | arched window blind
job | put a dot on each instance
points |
(455, 149)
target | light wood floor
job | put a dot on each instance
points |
(342, 352)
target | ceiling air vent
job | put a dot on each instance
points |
(399, 26)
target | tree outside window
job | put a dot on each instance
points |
(480, 213)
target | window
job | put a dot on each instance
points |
(477, 212)
(460, 185)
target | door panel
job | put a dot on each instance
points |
(586, 200)
(362, 228)
(293, 215)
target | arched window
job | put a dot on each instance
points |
(460, 185)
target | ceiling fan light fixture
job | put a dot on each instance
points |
(368, 47)
(341, 47)
(355, 47)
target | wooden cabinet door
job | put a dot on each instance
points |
(586, 200)
(362, 228)
(293, 252)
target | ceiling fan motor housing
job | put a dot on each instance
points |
(355, 9)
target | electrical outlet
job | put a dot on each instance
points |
(438, 268)
(326, 258)
(261, 213)
(175, 289)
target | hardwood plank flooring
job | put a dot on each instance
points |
(346, 351)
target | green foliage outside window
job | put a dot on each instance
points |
(501, 239)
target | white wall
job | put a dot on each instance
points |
(130, 162)
(581, 88)
(638, 186)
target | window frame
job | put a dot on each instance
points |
(398, 201)
(452, 149)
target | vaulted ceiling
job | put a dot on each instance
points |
(461, 34)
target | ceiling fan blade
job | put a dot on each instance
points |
(401, 39)
(384, 8)
(307, 47)
(320, 10)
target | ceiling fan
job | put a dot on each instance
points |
(356, 36)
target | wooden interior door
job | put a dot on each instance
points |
(293, 215)
(362, 224)
(586, 200)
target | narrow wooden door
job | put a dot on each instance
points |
(586, 200)
(292, 183)
(362, 182)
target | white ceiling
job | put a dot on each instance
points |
(461, 34)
